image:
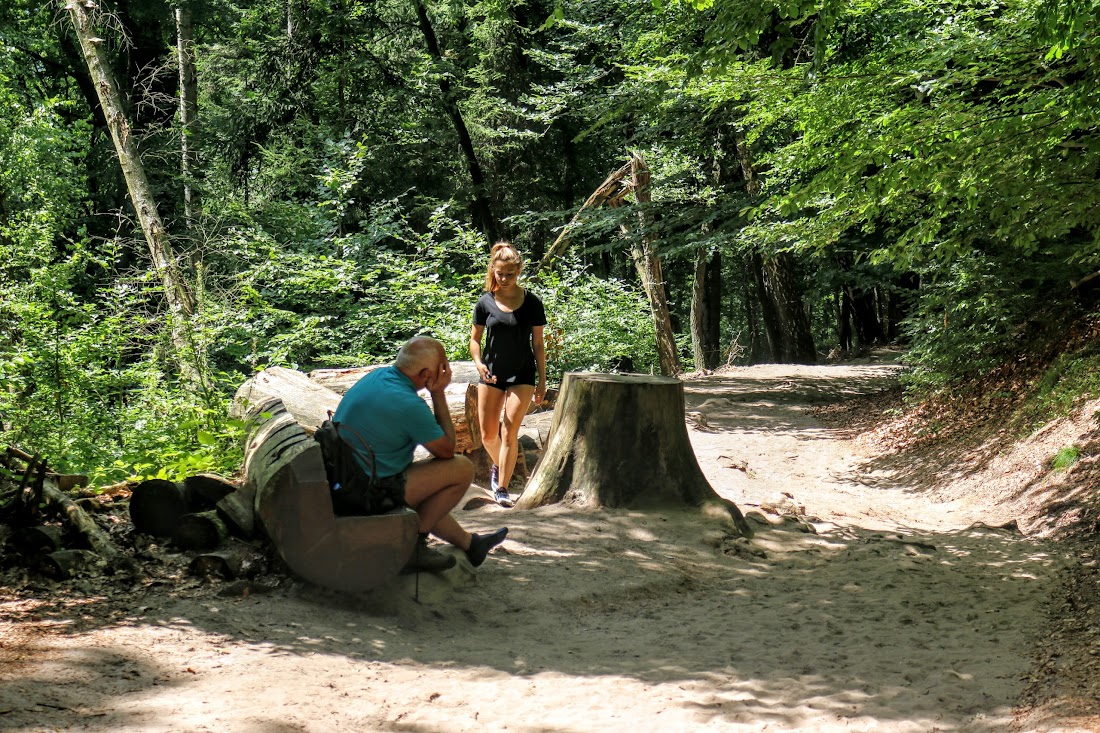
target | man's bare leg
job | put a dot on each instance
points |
(433, 489)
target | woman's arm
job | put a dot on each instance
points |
(539, 348)
(475, 353)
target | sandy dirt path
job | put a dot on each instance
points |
(861, 605)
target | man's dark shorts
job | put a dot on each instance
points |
(383, 495)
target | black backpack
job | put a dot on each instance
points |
(353, 491)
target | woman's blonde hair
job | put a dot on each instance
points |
(505, 254)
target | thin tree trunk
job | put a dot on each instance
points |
(844, 321)
(482, 209)
(647, 262)
(181, 303)
(706, 303)
(188, 112)
(706, 292)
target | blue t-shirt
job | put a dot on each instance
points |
(385, 409)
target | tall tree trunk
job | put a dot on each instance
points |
(794, 341)
(706, 309)
(758, 349)
(769, 315)
(181, 303)
(188, 112)
(844, 321)
(647, 262)
(481, 208)
(706, 291)
(780, 294)
(865, 317)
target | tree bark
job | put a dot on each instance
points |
(865, 317)
(309, 403)
(706, 309)
(793, 341)
(226, 564)
(238, 510)
(780, 296)
(619, 441)
(482, 209)
(283, 466)
(188, 111)
(647, 262)
(199, 531)
(181, 303)
(205, 490)
(79, 520)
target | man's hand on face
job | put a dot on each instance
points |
(441, 378)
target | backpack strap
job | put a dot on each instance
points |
(366, 454)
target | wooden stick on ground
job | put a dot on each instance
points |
(97, 539)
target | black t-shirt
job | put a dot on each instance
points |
(507, 349)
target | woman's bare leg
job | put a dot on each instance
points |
(490, 401)
(515, 409)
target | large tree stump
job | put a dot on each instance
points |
(619, 440)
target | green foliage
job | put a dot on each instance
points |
(1065, 458)
(952, 141)
(592, 323)
(1071, 377)
(971, 315)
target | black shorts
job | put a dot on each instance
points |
(383, 495)
(506, 381)
(511, 375)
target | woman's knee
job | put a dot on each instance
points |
(489, 433)
(509, 432)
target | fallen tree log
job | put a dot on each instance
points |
(67, 564)
(226, 564)
(619, 440)
(96, 538)
(283, 466)
(307, 401)
(463, 384)
(205, 490)
(200, 531)
(156, 505)
(238, 510)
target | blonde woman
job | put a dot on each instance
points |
(511, 362)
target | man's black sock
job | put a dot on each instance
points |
(480, 544)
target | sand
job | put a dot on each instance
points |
(863, 603)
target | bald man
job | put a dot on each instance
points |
(384, 408)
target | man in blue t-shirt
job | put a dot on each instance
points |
(384, 408)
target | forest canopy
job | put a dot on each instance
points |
(822, 177)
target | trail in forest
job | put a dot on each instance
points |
(862, 604)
